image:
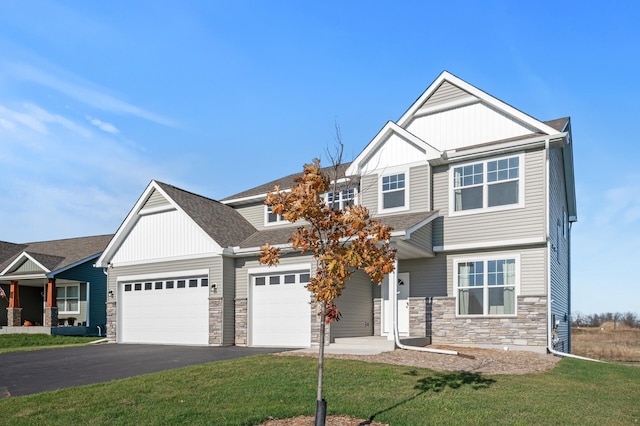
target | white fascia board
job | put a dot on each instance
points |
(104, 259)
(24, 277)
(73, 265)
(384, 133)
(490, 244)
(482, 95)
(499, 148)
(21, 257)
(252, 251)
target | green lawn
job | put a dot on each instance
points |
(25, 342)
(250, 390)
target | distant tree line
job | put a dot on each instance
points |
(629, 319)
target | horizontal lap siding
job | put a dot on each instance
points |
(356, 306)
(483, 227)
(423, 237)
(369, 193)
(156, 199)
(419, 188)
(253, 213)
(428, 277)
(97, 290)
(229, 288)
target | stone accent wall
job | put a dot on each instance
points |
(50, 317)
(526, 331)
(315, 326)
(241, 322)
(377, 317)
(215, 321)
(14, 317)
(418, 317)
(111, 321)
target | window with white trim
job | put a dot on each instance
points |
(486, 287)
(272, 218)
(487, 184)
(68, 299)
(393, 192)
(340, 199)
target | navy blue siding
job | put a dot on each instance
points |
(97, 291)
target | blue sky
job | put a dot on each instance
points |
(98, 98)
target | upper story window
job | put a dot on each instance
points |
(340, 199)
(486, 287)
(487, 184)
(393, 192)
(272, 218)
(68, 299)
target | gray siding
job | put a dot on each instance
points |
(253, 213)
(369, 193)
(155, 200)
(447, 92)
(29, 266)
(559, 258)
(428, 276)
(419, 194)
(228, 278)
(423, 237)
(244, 264)
(483, 227)
(356, 306)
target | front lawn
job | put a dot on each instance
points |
(22, 342)
(248, 391)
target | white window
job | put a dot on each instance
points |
(489, 184)
(340, 199)
(277, 279)
(68, 299)
(393, 191)
(486, 287)
(272, 218)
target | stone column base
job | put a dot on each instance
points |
(111, 321)
(50, 317)
(14, 317)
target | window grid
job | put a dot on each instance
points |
(393, 191)
(486, 287)
(68, 299)
(167, 284)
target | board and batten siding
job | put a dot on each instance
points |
(532, 268)
(356, 306)
(163, 235)
(29, 266)
(559, 258)
(466, 126)
(494, 226)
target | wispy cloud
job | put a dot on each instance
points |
(81, 91)
(105, 127)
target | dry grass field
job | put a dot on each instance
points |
(607, 343)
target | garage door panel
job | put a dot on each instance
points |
(164, 316)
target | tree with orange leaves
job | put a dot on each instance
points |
(341, 241)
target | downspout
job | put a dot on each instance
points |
(548, 236)
(393, 299)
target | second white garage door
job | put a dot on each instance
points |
(280, 310)
(164, 311)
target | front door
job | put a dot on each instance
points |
(403, 306)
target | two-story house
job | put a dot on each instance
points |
(480, 195)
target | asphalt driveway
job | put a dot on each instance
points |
(25, 373)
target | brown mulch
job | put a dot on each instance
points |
(472, 360)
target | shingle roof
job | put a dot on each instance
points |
(558, 123)
(222, 223)
(56, 254)
(284, 183)
(281, 234)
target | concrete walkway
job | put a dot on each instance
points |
(370, 345)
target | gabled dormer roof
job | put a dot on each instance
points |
(49, 257)
(223, 225)
(449, 91)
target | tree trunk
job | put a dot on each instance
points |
(321, 404)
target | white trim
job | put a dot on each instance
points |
(485, 186)
(158, 209)
(470, 100)
(474, 91)
(165, 259)
(163, 275)
(484, 258)
(276, 269)
(23, 277)
(391, 171)
(280, 221)
(65, 298)
(491, 244)
(20, 257)
(244, 199)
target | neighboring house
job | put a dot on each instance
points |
(480, 195)
(51, 283)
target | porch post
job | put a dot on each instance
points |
(14, 311)
(51, 306)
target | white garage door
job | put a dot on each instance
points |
(280, 310)
(172, 311)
